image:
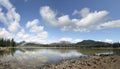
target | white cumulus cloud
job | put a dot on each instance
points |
(33, 25)
(5, 34)
(108, 40)
(110, 24)
(67, 39)
(12, 29)
(36, 32)
(10, 18)
(84, 12)
(89, 20)
(6, 4)
(38, 37)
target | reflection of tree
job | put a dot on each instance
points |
(116, 51)
(62, 50)
(59, 49)
(8, 51)
(85, 51)
(88, 51)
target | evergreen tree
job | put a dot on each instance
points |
(7, 42)
(13, 43)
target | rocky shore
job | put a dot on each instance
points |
(91, 62)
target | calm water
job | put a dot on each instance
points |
(41, 56)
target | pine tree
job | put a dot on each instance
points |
(7, 42)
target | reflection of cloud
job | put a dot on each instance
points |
(70, 54)
(41, 56)
(28, 55)
(105, 53)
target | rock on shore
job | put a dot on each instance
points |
(94, 62)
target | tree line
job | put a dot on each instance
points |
(7, 42)
(97, 44)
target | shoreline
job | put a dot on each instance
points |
(86, 62)
(92, 62)
(58, 47)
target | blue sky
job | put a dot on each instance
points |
(47, 21)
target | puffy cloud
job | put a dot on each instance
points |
(77, 40)
(36, 32)
(108, 40)
(67, 39)
(110, 24)
(38, 37)
(42, 35)
(5, 34)
(89, 20)
(2, 16)
(22, 34)
(48, 15)
(6, 4)
(84, 12)
(62, 39)
(36, 28)
(70, 39)
(10, 18)
(33, 25)
(92, 19)
(13, 27)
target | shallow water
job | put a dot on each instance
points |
(41, 56)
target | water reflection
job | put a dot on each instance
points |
(8, 51)
(117, 52)
(40, 56)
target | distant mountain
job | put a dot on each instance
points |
(32, 44)
(22, 43)
(92, 43)
(82, 44)
(65, 42)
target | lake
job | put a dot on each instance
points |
(42, 56)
